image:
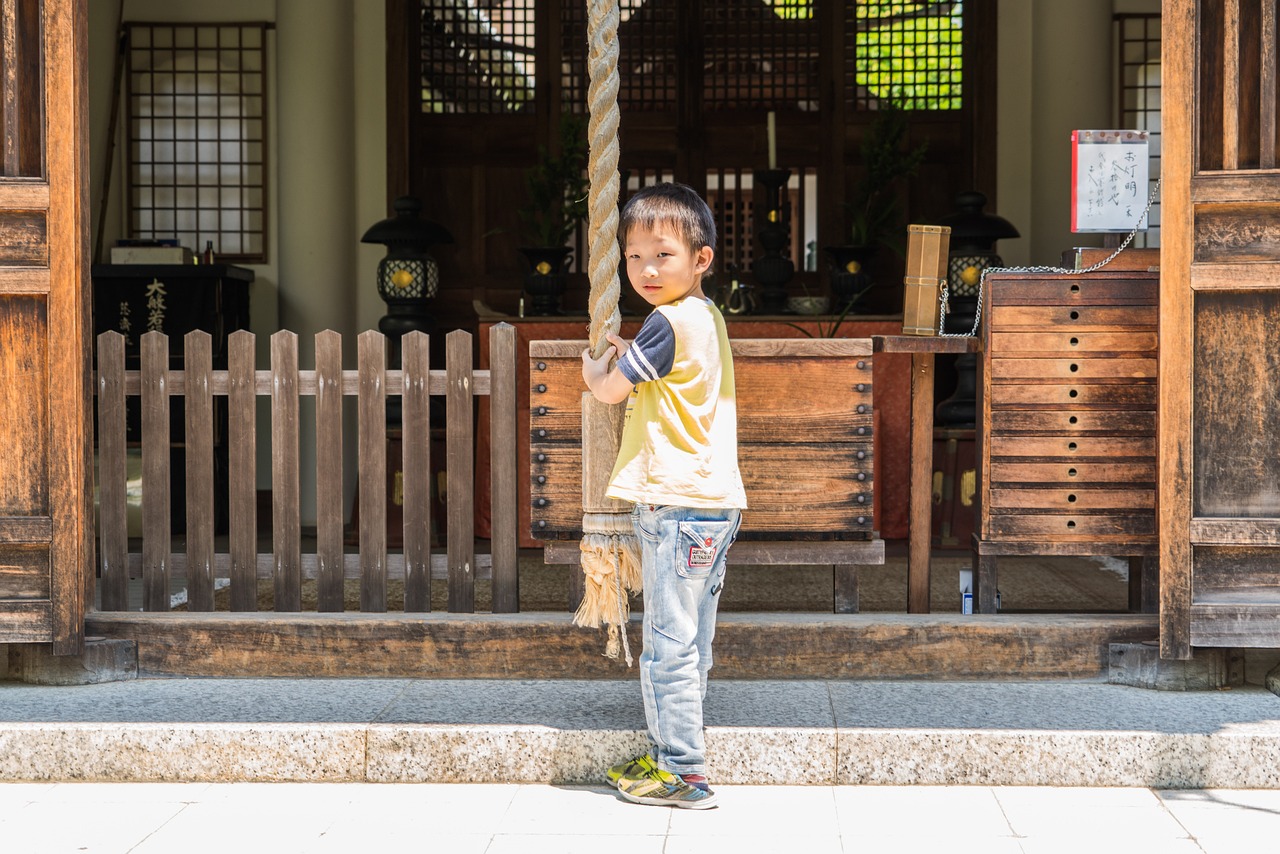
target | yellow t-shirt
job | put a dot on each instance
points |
(680, 441)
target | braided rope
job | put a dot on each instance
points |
(603, 255)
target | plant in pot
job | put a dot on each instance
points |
(873, 209)
(557, 206)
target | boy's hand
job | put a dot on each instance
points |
(609, 386)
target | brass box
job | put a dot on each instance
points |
(927, 247)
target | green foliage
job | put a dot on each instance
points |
(915, 58)
(557, 187)
(873, 210)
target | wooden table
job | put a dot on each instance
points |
(920, 486)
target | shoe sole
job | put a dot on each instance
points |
(709, 802)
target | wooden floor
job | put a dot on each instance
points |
(548, 646)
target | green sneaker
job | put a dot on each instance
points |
(659, 788)
(636, 767)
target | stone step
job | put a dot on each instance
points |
(567, 731)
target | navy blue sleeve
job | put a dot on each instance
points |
(652, 353)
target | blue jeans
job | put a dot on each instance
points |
(683, 553)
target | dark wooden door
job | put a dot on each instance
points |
(1219, 490)
(46, 462)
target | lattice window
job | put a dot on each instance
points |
(198, 136)
(477, 57)
(759, 57)
(1138, 78)
(730, 193)
(648, 55)
(909, 53)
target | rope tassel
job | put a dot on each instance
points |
(611, 569)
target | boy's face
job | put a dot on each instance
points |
(661, 267)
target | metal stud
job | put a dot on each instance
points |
(540, 387)
(542, 366)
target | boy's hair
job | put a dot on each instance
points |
(677, 205)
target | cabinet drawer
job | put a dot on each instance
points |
(1035, 527)
(1074, 422)
(1069, 343)
(1067, 317)
(1072, 395)
(1073, 447)
(1072, 369)
(1074, 290)
(1073, 473)
(1058, 500)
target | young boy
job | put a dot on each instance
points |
(678, 464)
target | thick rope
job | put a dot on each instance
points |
(610, 553)
(602, 203)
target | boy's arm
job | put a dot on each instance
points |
(608, 385)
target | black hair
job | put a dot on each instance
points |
(677, 205)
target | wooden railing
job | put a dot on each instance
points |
(198, 384)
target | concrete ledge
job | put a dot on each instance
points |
(538, 754)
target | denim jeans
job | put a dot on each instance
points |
(683, 552)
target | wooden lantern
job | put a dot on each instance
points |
(927, 247)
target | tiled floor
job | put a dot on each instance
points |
(245, 818)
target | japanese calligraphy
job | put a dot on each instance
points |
(155, 305)
(1109, 179)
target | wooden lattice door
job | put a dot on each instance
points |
(1219, 490)
(46, 464)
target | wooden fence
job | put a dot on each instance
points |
(198, 384)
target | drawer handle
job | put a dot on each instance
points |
(1075, 315)
(1075, 289)
(1073, 393)
(1071, 523)
(1071, 472)
(1073, 420)
(1071, 446)
(1074, 367)
(1075, 342)
(1071, 499)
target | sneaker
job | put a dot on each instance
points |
(636, 767)
(660, 788)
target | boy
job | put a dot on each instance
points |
(678, 463)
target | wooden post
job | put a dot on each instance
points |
(502, 468)
(198, 393)
(157, 526)
(415, 420)
(372, 358)
(242, 441)
(112, 473)
(330, 573)
(460, 435)
(286, 521)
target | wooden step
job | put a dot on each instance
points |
(548, 646)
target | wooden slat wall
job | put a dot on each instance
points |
(286, 566)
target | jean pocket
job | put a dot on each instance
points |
(700, 546)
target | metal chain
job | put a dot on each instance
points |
(977, 317)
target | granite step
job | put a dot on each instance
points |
(815, 732)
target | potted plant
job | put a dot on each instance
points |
(873, 209)
(557, 206)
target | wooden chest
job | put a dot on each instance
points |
(805, 438)
(1068, 406)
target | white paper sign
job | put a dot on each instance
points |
(1108, 180)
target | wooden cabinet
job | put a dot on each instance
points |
(1067, 455)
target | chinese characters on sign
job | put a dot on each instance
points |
(155, 306)
(1108, 180)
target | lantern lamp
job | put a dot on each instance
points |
(407, 276)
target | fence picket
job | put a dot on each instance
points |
(198, 403)
(329, 515)
(242, 442)
(460, 452)
(157, 525)
(502, 468)
(416, 443)
(372, 409)
(112, 473)
(286, 522)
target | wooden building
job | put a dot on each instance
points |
(343, 105)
